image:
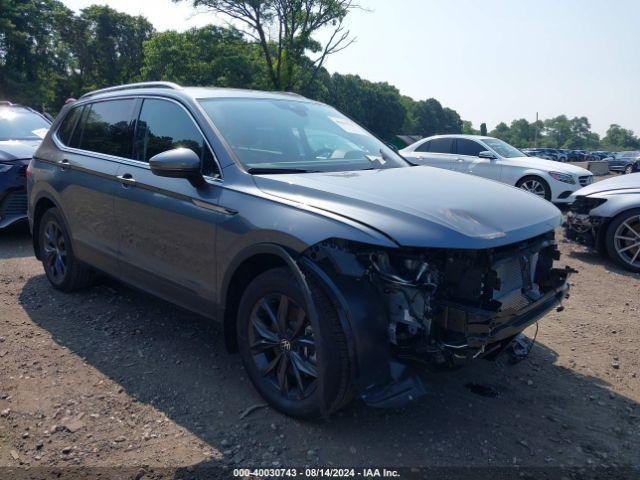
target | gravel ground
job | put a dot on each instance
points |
(113, 377)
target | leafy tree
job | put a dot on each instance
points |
(284, 31)
(557, 131)
(33, 55)
(483, 129)
(618, 138)
(502, 132)
(377, 106)
(467, 128)
(203, 56)
(107, 46)
(430, 118)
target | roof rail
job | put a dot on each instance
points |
(129, 86)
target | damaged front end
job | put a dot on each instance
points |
(437, 308)
(580, 225)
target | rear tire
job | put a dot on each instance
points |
(287, 356)
(623, 245)
(536, 185)
(63, 270)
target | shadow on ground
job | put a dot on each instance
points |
(537, 413)
(15, 241)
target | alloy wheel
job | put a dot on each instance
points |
(55, 251)
(282, 345)
(626, 241)
(628, 169)
(535, 187)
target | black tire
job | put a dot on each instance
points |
(310, 398)
(70, 274)
(612, 246)
(543, 183)
(628, 169)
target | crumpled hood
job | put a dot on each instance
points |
(620, 184)
(422, 206)
(18, 149)
(548, 165)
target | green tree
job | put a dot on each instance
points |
(557, 131)
(107, 47)
(618, 138)
(502, 132)
(33, 54)
(467, 128)
(377, 106)
(203, 56)
(284, 30)
(483, 129)
(430, 118)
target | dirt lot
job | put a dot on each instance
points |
(113, 377)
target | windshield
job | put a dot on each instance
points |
(19, 123)
(503, 148)
(283, 136)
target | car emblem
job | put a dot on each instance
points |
(285, 345)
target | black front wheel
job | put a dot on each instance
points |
(62, 268)
(286, 353)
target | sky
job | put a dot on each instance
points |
(490, 60)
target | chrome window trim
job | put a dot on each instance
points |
(129, 161)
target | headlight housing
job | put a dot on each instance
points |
(563, 177)
(584, 205)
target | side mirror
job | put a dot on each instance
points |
(487, 154)
(178, 163)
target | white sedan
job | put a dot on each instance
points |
(492, 158)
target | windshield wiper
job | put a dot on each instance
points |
(266, 170)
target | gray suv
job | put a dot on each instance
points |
(338, 269)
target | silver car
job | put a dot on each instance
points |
(606, 215)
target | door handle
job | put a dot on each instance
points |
(460, 159)
(126, 179)
(63, 164)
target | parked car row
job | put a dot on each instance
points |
(338, 268)
(565, 155)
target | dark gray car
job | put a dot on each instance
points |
(338, 269)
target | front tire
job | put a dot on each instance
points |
(63, 270)
(623, 240)
(301, 368)
(536, 185)
(628, 169)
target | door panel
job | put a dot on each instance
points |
(167, 226)
(167, 242)
(435, 153)
(86, 173)
(468, 161)
(86, 185)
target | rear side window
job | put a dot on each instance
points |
(424, 147)
(440, 145)
(107, 128)
(68, 124)
(164, 125)
(468, 147)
